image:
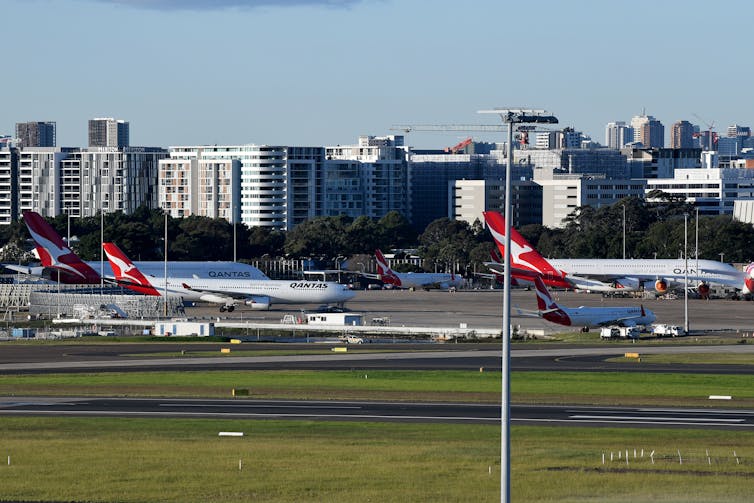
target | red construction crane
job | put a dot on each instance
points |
(460, 146)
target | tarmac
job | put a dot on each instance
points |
(484, 309)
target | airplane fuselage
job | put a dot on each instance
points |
(264, 291)
(584, 316)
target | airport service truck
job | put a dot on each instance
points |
(614, 332)
(663, 330)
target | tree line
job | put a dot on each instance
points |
(652, 229)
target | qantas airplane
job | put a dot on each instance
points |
(425, 280)
(59, 261)
(584, 316)
(259, 294)
(611, 275)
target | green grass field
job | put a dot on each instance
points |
(596, 388)
(146, 460)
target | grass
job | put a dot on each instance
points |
(595, 388)
(130, 460)
(167, 460)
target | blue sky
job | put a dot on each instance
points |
(322, 72)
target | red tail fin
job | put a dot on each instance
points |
(55, 254)
(523, 255)
(383, 269)
(544, 299)
(126, 272)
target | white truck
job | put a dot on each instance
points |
(663, 330)
(614, 332)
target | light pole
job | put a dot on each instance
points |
(624, 232)
(721, 256)
(510, 116)
(166, 263)
(686, 274)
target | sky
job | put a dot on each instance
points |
(323, 72)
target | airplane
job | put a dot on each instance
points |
(425, 280)
(585, 316)
(614, 275)
(60, 262)
(259, 294)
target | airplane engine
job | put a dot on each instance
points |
(258, 302)
(661, 286)
(627, 284)
(703, 290)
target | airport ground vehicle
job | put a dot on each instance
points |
(615, 332)
(663, 330)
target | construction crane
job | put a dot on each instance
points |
(710, 134)
(460, 146)
(522, 137)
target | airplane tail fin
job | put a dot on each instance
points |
(126, 273)
(55, 254)
(749, 279)
(544, 299)
(523, 254)
(387, 275)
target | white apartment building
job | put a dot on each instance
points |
(208, 188)
(712, 190)
(79, 182)
(277, 186)
(369, 179)
(470, 198)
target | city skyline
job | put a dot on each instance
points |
(324, 72)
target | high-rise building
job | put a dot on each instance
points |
(618, 134)
(648, 131)
(108, 132)
(735, 131)
(682, 135)
(35, 134)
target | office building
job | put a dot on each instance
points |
(712, 190)
(648, 131)
(736, 131)
(564, 193)
(35, 134)
(470, 198)
(682, 135)
(618, 134)
(108, 132)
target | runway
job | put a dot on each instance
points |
(377, 411)
(108, 357)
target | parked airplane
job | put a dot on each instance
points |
(259, 294)
(425, 280)
(584, 316)
(611, 275)
(58, 260)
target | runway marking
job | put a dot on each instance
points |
(237, 414)
(624, 422)
(252, 406)
(658, 418)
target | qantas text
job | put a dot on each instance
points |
(315, 285)
(229, 274)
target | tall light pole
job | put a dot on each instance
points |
(234, 234)
(624, 232)
(510, 116)
(686, 274)
(166, 263)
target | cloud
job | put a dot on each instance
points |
(197, 5)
